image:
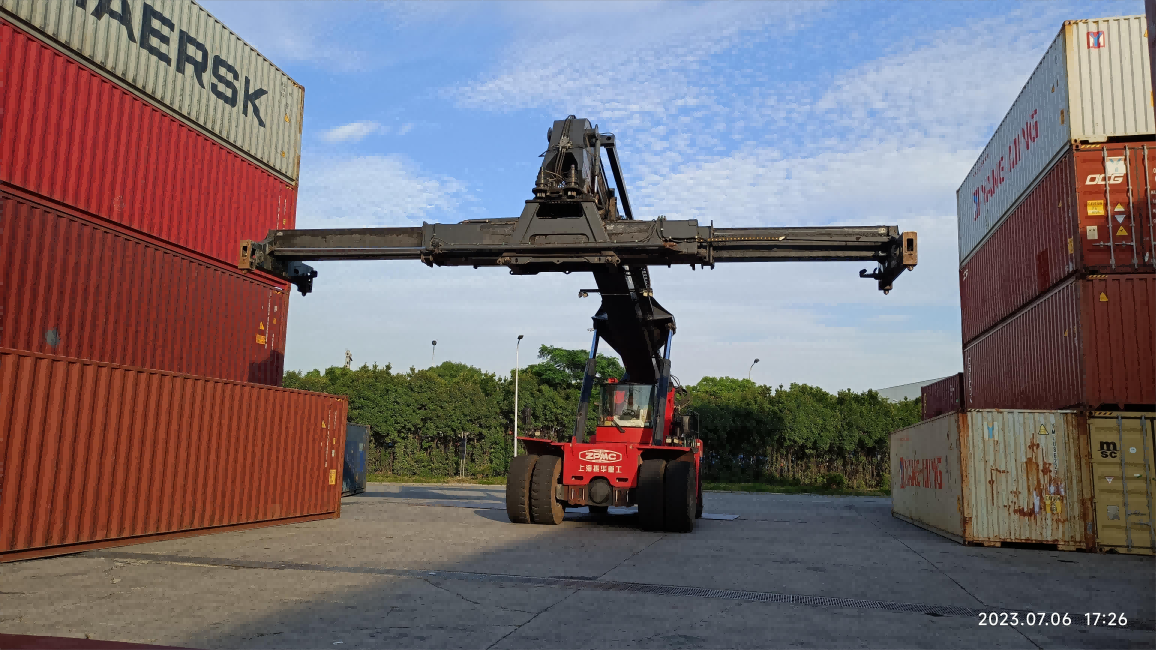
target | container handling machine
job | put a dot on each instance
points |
(643, 450)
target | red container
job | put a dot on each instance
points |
(101, 455)
(75, 137)
(943, 396)
(1086, 344)
(83, 288)
(1061, 229)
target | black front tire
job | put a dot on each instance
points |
(545, 508)
(681, 496)
(650, 494)
(518, 488)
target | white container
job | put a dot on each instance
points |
(218, 84)
(994, 476)
(1093, 84)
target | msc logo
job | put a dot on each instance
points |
(1108, 450)
(600, 456)
(1096, 40)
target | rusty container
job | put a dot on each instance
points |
(1086, 344)
(95, 455)
(81, 287)
(74, 137)
(1091, 213)
(992, 476)
(943, 396)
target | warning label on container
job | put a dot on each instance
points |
(1121, 231)
(1095, 208)
(1103, 297)
(1119, 208)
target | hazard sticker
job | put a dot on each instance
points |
(1071, 246)
(1119, 208)
(1043, 431)
(1119, 218)
(1121, 231)
(1095, 208)
(1103, 297)
(1093, 232)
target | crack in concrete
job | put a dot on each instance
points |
(632, 556)
(450, 591)
(518, 627)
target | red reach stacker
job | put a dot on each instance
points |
(644, 450)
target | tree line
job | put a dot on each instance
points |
(426, 422)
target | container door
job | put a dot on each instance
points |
(1116, 202)
(1122, 464)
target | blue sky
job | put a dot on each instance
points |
(744, 113)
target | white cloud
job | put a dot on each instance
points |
(354, 131)
(635, 62)
(373, 191)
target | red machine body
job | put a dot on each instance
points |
(615, 453)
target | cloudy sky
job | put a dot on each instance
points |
(741, 113)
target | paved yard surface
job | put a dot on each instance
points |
(441, 567)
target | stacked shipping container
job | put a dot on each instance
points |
(1062, 195)
(97, 455)
(140, 142)
(114, 121)
(1057, 277)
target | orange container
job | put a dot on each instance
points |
(95, 455)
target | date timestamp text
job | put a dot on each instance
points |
(1057, 619)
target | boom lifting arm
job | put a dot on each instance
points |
(573, 224)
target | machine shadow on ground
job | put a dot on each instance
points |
(792, 570)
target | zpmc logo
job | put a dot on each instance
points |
(600, 456)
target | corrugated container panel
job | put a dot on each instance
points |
(989, 477)
(77, 287)
(943, 396)
(74, 137)
(1087, 344)
(926, 477)
(1062, 228)
(98, 455)
(182, 58)
(1093, 84)
(1123, 449)
(1026, 478)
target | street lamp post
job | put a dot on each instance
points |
(517, 367)
(751, 368)
(433, 352)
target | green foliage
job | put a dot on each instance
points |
(424, 421)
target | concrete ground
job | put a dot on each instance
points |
(441, 567)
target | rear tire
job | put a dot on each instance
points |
(681, 496)
(545, 508)
(698, 507)
(650, 494)
(518, 488)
